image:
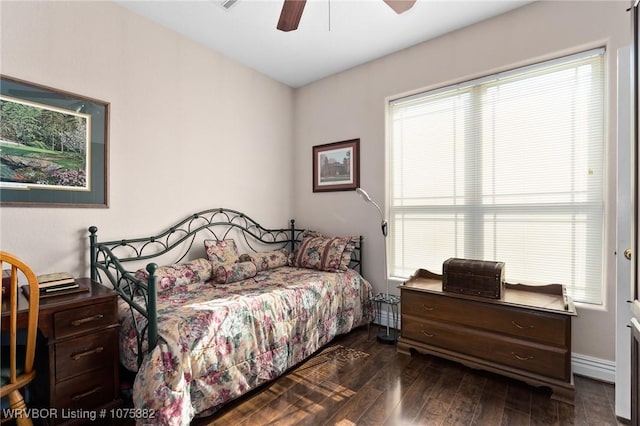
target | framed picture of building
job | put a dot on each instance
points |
(336, 166)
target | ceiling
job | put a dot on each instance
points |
(333, 35)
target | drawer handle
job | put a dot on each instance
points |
(522, 358)
(427, 308)
(81, 321)
(79, 396)
(426, 333)
(80, 355)
(521, 327)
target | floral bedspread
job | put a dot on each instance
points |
(217, 342)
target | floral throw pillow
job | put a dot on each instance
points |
(329, 254)
(348, 250)
(221, 252)
(268, 259)
(233, 272)
(179, 274)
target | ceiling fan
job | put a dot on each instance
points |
(292, 11)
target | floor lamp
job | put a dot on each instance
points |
(387, 297)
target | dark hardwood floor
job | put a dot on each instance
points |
(358, 381)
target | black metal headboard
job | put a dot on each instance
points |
(108, 258)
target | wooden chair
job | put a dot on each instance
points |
(17, 363)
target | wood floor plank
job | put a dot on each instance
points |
(237, 412)
(276, 395)
(282, 403)
(437, 405)
(518, 397)
(511, 417)
(355, 407)
(307, 382)
(491, 406)
(351, 381)
(393, 394)
(316, 384)
(387, 388)
(544, 411)
(465, 400)
(597, 408)
(409, 407)
(568, 415)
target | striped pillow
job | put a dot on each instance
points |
(331, 254)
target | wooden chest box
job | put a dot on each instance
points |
(473, 277)
(525, 335)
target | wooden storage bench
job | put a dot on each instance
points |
(526, 334)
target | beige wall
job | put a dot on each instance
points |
(352, 105)
(182, 116)
(190, 129)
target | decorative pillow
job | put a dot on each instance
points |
(267, 259)
(221, 252)
(348, 250)
(346, 255)
(232, 272)
(179, 274)
(329, 254)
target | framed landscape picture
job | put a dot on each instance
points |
(53, 147)
(336, 166)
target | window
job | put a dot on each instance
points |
(508, 168)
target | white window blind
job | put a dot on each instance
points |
(507, 168)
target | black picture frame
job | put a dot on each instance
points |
(90, 187)
(336, 166)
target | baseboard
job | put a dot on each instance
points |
(594, 368)
(583, 365)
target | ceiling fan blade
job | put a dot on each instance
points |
(291, 14)
(400, 6)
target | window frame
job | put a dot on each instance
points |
(474, 84)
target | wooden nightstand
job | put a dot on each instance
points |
(77, 364)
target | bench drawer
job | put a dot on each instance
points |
(540, 359)
(531, 325)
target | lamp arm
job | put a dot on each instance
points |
(383, 222)
(384, 227)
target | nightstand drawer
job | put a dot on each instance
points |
(83, 354)
(87, 391)
(87, 318)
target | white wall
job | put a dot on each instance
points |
(189, 129)
(352, 105)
